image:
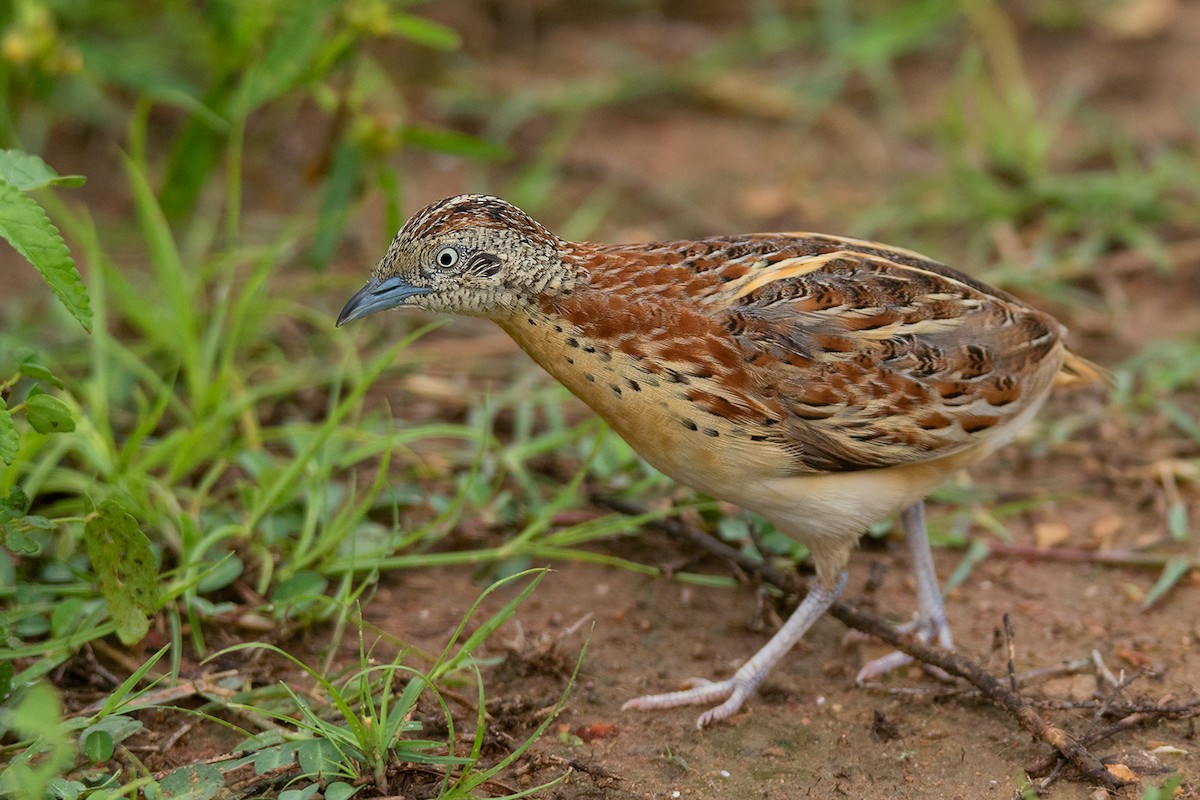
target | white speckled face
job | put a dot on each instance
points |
(470, 254)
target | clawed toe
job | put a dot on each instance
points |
(700, 692)
(926, 631)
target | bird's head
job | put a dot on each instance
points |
(470, 254)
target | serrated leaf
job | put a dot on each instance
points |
(124, 564)
(425, 32)
(27, 172)
(193, 782)
(25, 226)
(8, 435)
(17, 542)
(47, 414)
(17, 502)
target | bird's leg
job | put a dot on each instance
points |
(735, 690)
(931, 621)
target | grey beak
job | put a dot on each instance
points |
(378, 295)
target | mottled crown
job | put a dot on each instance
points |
(466, 211)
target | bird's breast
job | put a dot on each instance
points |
(676, 416)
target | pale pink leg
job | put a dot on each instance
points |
(735, 690)
(931, 621)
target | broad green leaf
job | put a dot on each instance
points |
(25, 226)
(98, 746)
(66, 616)
(8, 435)
(27, 172)
(193, 782)
(340, 790)
(273, 758)
(47, 414)
(318, 757)
(301, 585)
(307, 793)
(117, 727)
(124, 564)
(224, 572)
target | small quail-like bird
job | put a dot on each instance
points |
(822, 382)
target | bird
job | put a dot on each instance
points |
(823, 382)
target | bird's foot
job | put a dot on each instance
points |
(729, 693)
(926, 631)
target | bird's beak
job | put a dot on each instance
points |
(377, 295)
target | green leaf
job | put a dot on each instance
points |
(1177, 522)
(8, 435)
(303, 584)
(6, 676)
(1173, 570)
(17, 542)
(117, 727)
(224, 572)
(319, 757)
(424, 32)
(344, 178)
(124, 564)
(66, 616)
(25, 226)
(340, 790)
(31, 368)
(27, 172)
(307, 793)
(455, 143)
(272, 758)
(99, 746)
(17, 504)
(193, 782)
(47, 414)
(288, 59)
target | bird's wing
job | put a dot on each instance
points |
(878, 356)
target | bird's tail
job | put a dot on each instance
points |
(1076, 370)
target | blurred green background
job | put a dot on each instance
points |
(213, 448)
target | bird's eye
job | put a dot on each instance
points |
(446, 257)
